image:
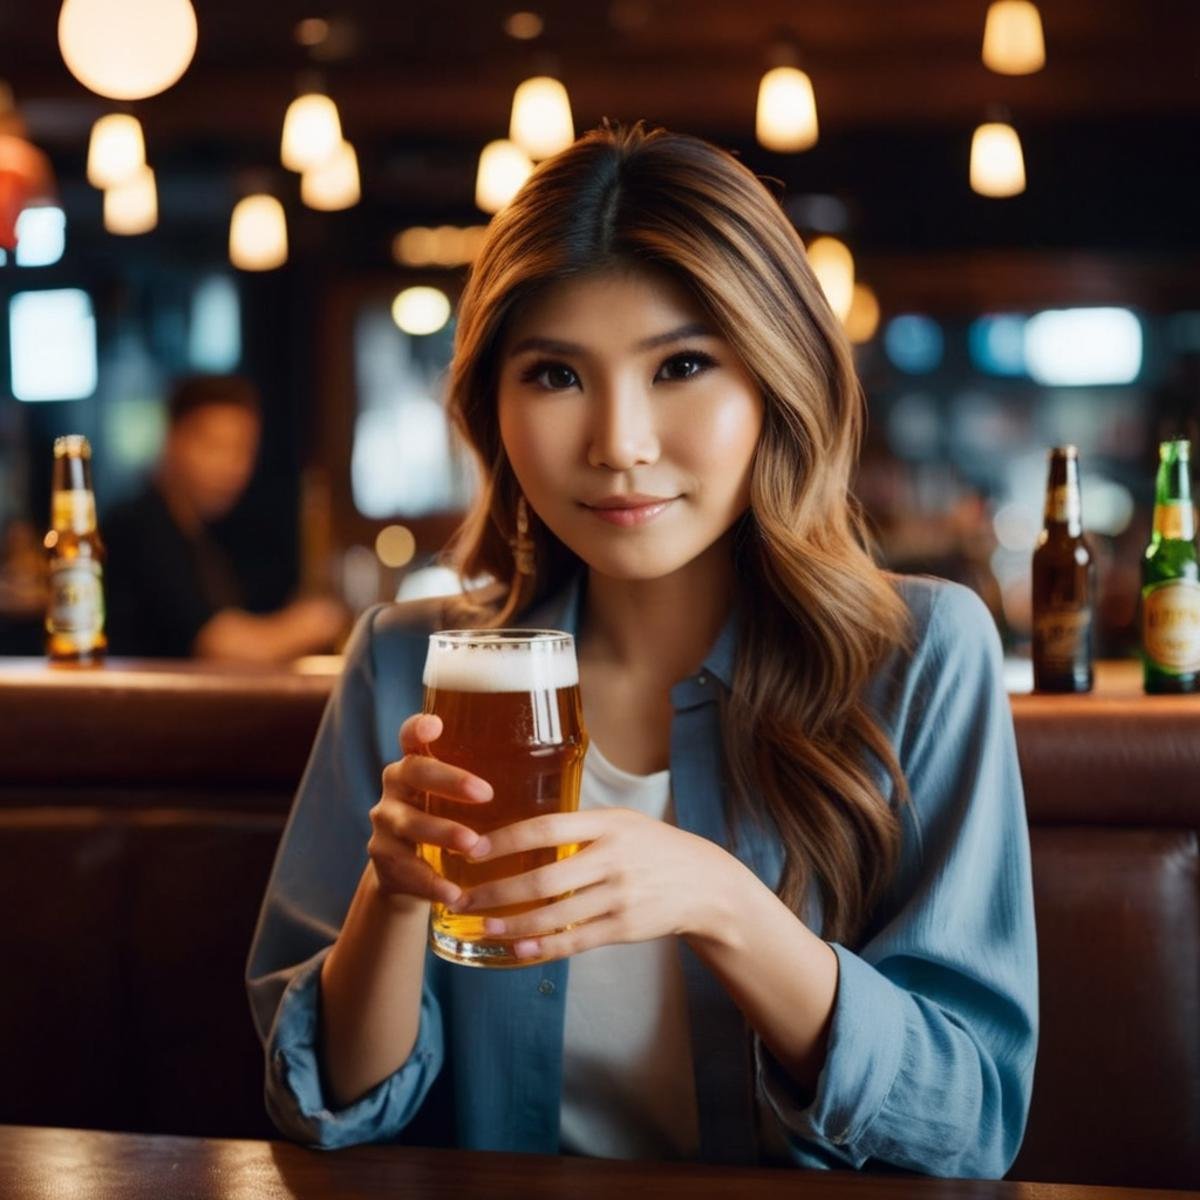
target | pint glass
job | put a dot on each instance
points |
(511, 714)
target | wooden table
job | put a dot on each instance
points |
(53, 1164)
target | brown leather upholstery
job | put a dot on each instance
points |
(1117, 1090)
(139, 814)
(1112, 785)
(159, 724)
(124, 942)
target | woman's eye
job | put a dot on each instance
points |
(684, 366)
(554, 377)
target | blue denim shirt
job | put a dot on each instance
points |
(934, 1030)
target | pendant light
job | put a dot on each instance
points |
(997, 164)
(503, 168)
(258, 234)
(420, 311)
(312, 131)
(833, 265)
(127, 49)
(131, 206)
(1012, 38)
(333, 184)
(116, 150)
(541, 122)
(786, 120)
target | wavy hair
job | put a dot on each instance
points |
(817, 615)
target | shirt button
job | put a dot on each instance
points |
(702, 679)
(546, 987)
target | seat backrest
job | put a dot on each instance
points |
(1113, 793)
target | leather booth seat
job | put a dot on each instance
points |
(140, 810)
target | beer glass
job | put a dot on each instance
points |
(511, 714)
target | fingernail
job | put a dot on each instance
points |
(494, 926)
(481, 849)
(478, 790)
(453, 900)
(526, 948)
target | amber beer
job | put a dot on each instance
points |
(511, 714)
(75, 555)
(1063, 585)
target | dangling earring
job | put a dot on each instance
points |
(522, 544)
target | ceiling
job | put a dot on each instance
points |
(899, 88)
(448, 69)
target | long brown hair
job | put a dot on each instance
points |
(817, 616)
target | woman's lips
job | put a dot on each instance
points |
(629, 515)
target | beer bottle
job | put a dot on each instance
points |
(1171, 580)
(1064, 578)
(75, 618)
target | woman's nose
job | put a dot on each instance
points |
(624, 432)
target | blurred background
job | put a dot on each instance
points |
(1013, 245)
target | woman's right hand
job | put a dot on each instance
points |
(399, 822)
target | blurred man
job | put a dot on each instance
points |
(173, 591)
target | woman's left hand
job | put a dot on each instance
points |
(635, 879)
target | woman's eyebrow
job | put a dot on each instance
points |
(554, 346)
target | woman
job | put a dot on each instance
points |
(802, 927)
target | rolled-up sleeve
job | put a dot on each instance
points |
(320, 860)
(934, 1029)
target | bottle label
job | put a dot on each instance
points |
(1063, 504)
(1175, 521)
(1061, 637)
(73, 510)
(76, 597)
(1171, 625)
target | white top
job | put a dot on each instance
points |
(628, 1089)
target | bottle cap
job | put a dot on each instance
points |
(73, 445)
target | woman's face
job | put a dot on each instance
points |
(629, 421)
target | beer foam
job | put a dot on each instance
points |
(495, 664)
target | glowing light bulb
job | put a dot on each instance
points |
(833, 265)
(541, 122)
(127, 49)
(333, 184)
(997, 164)
(131, 207)
(258, 234)
(503, 168)
(421, 310)
(116, 150)
(787, 111)
(1012, 38)
(312, 131)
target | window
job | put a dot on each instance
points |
(52, 337)
(405, 461)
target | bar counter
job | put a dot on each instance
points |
(47, 1164)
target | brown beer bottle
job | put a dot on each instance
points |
(75, 618)
(1064, 573)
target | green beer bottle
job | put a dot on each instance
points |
(1171, 580)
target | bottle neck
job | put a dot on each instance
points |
(72, 501)
(1064, 504)
(1174, 515)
